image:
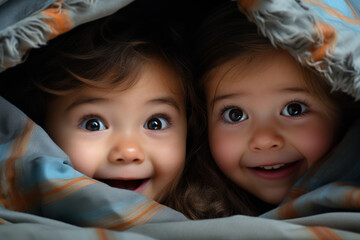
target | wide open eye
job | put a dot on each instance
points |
(234, 115)
(93, 124)
(294, 109)
(156, 123)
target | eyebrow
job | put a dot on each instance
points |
(221, 97)
(85, 100)
(295, 89)
(290, 90)
(166, 100)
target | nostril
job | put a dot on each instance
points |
(137, 160)
(128, 160)
(126, 153)
(260, 146)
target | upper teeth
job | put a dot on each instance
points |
(277, 166)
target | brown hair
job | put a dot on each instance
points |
(102, 54)
(204, 191)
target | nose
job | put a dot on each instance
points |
(266, 139)
(125, 152)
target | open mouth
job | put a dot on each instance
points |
(276, 167)
(277, 171)
(125, 184)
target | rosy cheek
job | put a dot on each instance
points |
(82, 161)
(78, 164)
(224, 149)
(315, 142)
(171, 160)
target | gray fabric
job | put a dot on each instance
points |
(43, 197)
(99, 211)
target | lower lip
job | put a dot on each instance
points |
(278, 174)
(142, 186)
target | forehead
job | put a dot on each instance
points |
(259, 72)
(163, 75)
(154, 75)
(156, 80)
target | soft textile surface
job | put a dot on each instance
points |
(41, 195)
(28, 24)
(320, 33)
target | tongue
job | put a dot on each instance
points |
(124, 184)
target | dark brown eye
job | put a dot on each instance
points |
(234, 115)
(93, 124)
(156, 123)
(294, 109)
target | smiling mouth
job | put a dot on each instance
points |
(277, 171)
(124, 184)
(276, 167)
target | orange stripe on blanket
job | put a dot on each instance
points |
(3, 202)
(352, 9)
(352, 199)
(58, 20)
(126, 219)
(2, 221)
(324, 233)
(357, 201)
(287, 211)
(141, 218)
(328, 35)
(9, 189)
(333, 11)
(145, 218)
(35, 198)
(66, 188)
(296, 191)
(248, 5)
(101, 234)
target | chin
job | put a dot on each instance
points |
(274, 199)
(151, 195)
(158, 198)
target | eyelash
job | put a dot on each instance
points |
(302, 101)
(162, 115)
(90, 116)
(223, 110)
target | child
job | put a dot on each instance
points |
(114, 96)
(269, 120)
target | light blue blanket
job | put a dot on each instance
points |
(43, 197)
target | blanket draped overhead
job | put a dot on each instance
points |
(41, 195)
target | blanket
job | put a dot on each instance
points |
(42, 196)
(320, 33)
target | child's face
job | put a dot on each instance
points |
(133, 139)
(265, 127)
